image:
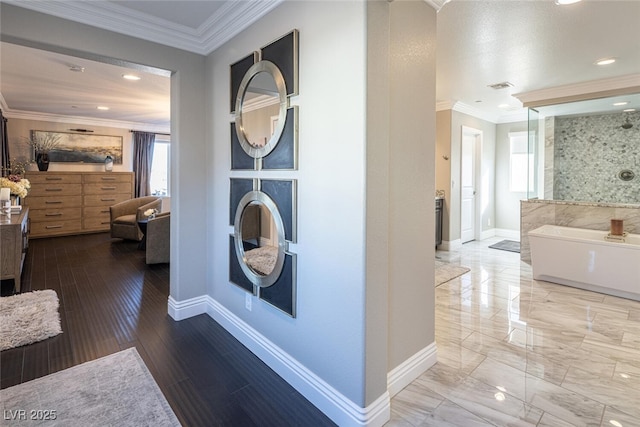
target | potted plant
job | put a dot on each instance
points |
(42, 143)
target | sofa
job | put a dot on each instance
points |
(158, 239)
(124, 216)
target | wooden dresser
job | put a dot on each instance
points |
(14, 241)
(64, 203)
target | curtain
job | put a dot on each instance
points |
(5, 145)
(143, 143)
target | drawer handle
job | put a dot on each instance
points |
(53, 189)
(105, 222)
(49, 227)
(53, 214)
(105, 211)
(107, 200)
(108, 188)
(108, 178)
(53, 178)
(53, 202)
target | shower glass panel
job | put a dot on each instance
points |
(533, 152)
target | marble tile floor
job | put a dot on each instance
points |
(513, 351)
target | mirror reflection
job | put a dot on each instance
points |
(259, 238)
(587, 151)
(260, 109)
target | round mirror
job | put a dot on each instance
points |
(261, 109)
(259, 238)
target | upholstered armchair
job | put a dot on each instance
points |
(157, 236)
(125, 216)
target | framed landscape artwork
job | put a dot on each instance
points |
(84, 148)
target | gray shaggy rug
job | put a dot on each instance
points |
(29, 317)
(116, 390)
(446, 272)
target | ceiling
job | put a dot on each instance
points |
(533, 45)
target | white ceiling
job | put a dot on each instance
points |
(532, 44)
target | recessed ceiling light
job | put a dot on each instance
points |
(618, 104)
(503, 106)
(76, 68)
(628, 110)
(605, 61)
(615, 423)
(564, 2)
(102, 107)
(130, 77)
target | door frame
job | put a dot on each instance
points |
(477, 169)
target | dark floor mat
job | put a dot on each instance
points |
(507, 245)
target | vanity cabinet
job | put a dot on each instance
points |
(439, 221)
(65, 203)
(14, 241)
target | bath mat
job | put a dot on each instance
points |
(446, 272)
(507, 245)
(116, 390)
(29, 317)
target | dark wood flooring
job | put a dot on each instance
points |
(111, 300)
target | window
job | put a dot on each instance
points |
(520, 163)
(160, 166)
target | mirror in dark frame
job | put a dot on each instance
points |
(260, 243)
(261, 109)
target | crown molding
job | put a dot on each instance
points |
(86, 121)
(437, 4)
(581, 91)
(471, 111)
(444, 105)
(229, 20)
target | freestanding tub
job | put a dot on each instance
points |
(586, 259)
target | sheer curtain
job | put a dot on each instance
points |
(143, 143)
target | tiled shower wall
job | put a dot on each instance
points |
(590, 152)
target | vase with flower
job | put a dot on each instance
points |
(43, 143)
(14, 186)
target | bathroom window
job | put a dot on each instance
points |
(520, 163)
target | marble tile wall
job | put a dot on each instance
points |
(593, 216)
(589, 152)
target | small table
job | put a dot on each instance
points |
(142, 223)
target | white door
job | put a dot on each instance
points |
(468, 187)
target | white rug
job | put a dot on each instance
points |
(116, 390)
(29, 317)
(446, 272)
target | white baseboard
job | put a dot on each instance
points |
(402, 375)
(452, 245)
(180, 310)
(331, 402)
(509, 234)
(487, 234)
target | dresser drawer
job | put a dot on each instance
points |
(54, 189)
(96, 223)
(55, 214)
(107, 188)
(52, 228)
(91, 211)
(107, 178)
(53, 201)
(105, 199)
(53, 178)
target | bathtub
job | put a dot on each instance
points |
(586, 259)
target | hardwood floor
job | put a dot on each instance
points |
(111, 300)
